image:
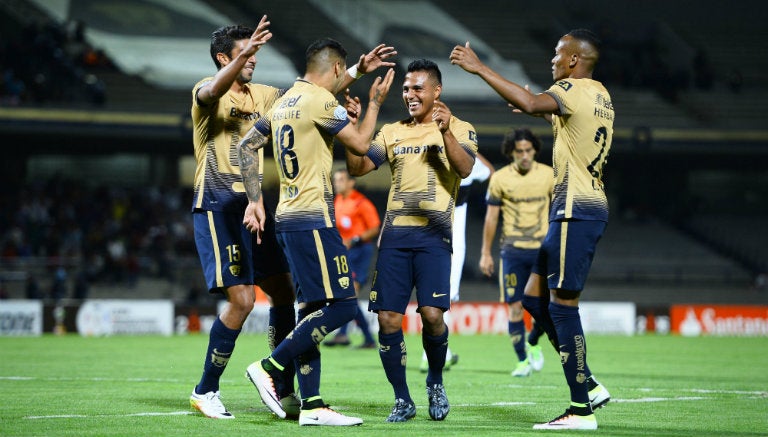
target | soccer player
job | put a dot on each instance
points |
(582, 116)
(428, 153)
(522, 192)
(301, 127)
(222, 109)
(358, 223)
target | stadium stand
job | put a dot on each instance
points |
(669, 253)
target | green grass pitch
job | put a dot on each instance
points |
(139, 386)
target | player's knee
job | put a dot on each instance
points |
(241, 298)
(432, 319)
(516, 311)
(390, 322)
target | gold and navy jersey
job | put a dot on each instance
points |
(423, 193)
(302, 124)
(583, 132)
(217, 129)
(524, 202)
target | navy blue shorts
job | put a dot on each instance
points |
(566, 254)
(514, 270)
(229, 253)
(360, 257)
(319, 263)
(398, 271)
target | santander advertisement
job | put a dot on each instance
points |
(695, 320)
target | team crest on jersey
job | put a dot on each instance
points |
(564, 85)
(372, 296)
(344, 282)
(234, 269)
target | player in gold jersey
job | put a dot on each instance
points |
(233, 260)
(582, 114)
(222, 108)
(428, 153)
(521, 192)
(301, 127)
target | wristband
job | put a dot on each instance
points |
(354, 73)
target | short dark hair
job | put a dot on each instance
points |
(587, 36)
(324, 45)
(223, 40)
(508, 143)
(428, 66)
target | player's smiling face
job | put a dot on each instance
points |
(419, 94)
(246, 74)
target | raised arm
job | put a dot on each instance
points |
(356, 165)
(226, 76)
(356, 138)
(367, 63)
(521, 98)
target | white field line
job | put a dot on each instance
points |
(699, 391)
(75, 416)
(88, 379)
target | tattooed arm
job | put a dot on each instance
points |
(248, 154)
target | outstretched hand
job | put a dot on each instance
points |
(380, 88)
(353, 106)
(466, 58)
(260, 36)
(376, 58)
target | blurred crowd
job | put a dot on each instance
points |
(62, 231)
(49, 63)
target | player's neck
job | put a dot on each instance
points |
(422, 120)
(522, 172)
(237, 87)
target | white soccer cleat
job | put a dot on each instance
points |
(522, 369)
(568, 420)
(328, 417)
(266, 387)
(210, 405)
(536, 357)
(598, 396)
